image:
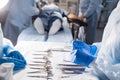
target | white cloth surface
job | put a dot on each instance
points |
(30, 34)
(6, 71)
(29, 48)
(62, 36)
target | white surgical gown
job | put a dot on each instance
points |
(108, 59)
(4, 12)
(88, 8)
(19, 17)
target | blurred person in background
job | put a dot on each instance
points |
(88, 12)
(19, 17)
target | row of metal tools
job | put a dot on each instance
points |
(41, 68)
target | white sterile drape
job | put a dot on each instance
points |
(108, 59)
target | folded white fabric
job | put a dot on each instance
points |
(6, 71)
(108, 59)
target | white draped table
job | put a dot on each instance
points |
(57, 53)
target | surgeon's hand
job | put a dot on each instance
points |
(19, 64)
(79, 45)
(72, 16)
(81, 18)
(14, 56)
(82, 57)
(7, 49)
(17, 55)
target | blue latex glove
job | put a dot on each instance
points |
(93, 49)
(79, 45)
(82, 57)
(17, 55)
(19, 64)
(13, 56)
(7, 49)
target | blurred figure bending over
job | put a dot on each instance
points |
(88, 11)
(19, 17)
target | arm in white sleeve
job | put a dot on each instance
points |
(109, 55)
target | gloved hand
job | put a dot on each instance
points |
(93, 49)
(7, 49)
(13, 56)
(82, 57)
(17, 55)
(79, 45)
(19, 64)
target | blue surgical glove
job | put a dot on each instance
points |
(82, 57)
(17, 55)
(19, 64)
(79, 45)
(7, 49)
(13, 56)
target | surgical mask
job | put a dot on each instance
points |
(1, 41)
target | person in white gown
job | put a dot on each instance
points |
(19, 17)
